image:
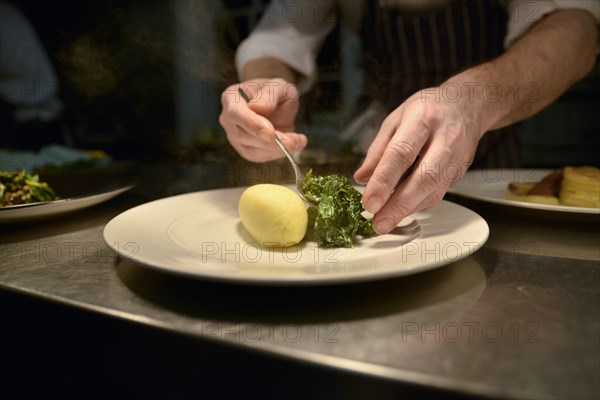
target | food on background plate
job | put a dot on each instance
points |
(580, 187)
(273, 215)
(542, 192)
(23, 188)
(569, 186)
(338, 218)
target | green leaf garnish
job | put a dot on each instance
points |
(338, 219)
(22, 188)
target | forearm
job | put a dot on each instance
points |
(268, 68)
(555, 53)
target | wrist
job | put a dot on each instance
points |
(480, 94)
(265, 68)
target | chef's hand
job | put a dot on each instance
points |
(443, 134)
(271, 110)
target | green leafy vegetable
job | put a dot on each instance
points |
(338, 219)
(23, 188)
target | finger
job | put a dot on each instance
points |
(398, 156)
(257, 151)
(248, 121)
(237, 113)
(423, 188)
(294, 142)
(266, 95)
(250, 148)
(279, 104)
(396, 210)
(376, 149)
(432, 199)
(258, 154)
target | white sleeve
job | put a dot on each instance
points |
(524, 13)
(293, 32)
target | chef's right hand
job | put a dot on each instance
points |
(271, 110)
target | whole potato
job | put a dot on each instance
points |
(274, 215)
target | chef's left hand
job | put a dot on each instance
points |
(444, 134)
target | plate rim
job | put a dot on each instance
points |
(71, 203)
(515, 203)
(281, 280)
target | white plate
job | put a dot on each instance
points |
(200, 235)
(490, 185)
(45, 209)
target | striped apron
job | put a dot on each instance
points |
(407, 50)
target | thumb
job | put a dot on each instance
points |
(268, 94)
(265, 100)
(263, 104)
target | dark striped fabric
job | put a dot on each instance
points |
(408, 50)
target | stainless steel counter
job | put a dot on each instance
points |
(518, 319)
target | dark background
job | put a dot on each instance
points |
(118, 70)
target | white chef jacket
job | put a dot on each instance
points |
(293, 31)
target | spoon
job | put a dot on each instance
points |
(289, 156)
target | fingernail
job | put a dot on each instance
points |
(362, 181)
(374, 204)
(265, 134)
(384, 226)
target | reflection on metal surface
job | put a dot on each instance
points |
(295, 322)
(435, 294)
(498, 316)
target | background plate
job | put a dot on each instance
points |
(78, 191)
(490, 185)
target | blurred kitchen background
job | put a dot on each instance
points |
(142, 81)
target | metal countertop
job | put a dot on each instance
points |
(517, 319)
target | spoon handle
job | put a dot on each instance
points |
(287, 153)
